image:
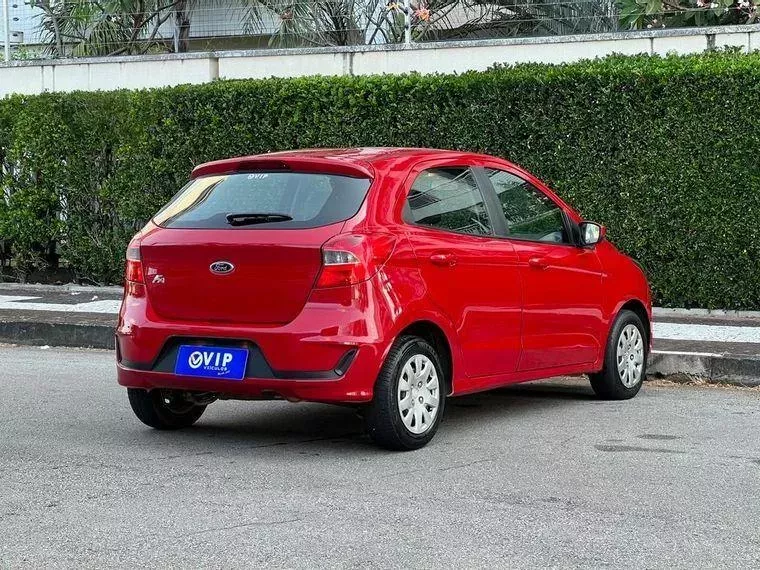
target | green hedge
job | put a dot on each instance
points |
(664, 151)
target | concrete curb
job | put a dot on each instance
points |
(737, 370)
(74, 335)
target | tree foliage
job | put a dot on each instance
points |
(648, 14)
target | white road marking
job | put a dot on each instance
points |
(665, 331)
(685, 353)
(709, 333)
(12, 302)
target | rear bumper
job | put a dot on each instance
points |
(354, 385)
(331, 352)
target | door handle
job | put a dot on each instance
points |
(445, 259)
(538, 263)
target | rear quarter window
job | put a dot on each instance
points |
(309, 199)
(448, 199)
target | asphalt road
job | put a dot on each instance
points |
(538, 475)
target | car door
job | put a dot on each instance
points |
(471, 275)
(562, 283)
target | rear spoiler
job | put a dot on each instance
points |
(283, 164)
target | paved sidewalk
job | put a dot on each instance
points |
(722, 346)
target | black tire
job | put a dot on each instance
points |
(383, 418)
(608, 384)
(152, 409)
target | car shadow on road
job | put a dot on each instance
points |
(512, 402)
(272, 424)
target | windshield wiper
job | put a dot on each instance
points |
(248, 219)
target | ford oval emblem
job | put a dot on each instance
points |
(221, 267)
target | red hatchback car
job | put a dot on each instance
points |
(386, 278)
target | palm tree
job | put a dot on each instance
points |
(472, 19)
(351, 22)
(108, 27)
(292, 23)
(114, 27)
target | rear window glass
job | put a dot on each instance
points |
(291, 199)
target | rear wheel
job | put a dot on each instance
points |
(625, 361)
(164, 409)
(409, 396)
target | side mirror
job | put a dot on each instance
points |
(591, 233)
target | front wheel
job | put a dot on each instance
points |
(625, 360)
(409, 396)
(164, 409)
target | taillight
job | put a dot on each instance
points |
(352, 258)
(134, 280)
(134, 264)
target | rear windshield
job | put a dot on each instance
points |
(264, 200)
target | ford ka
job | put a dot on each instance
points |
(388, 279)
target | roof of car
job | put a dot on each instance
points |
(352, 161)
(368, 154)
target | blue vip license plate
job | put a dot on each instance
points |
(218, 362)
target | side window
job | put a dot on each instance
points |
(449, 199)
(531, 215)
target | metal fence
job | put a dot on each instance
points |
(74, 28)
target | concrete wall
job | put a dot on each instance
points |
(133, 72)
